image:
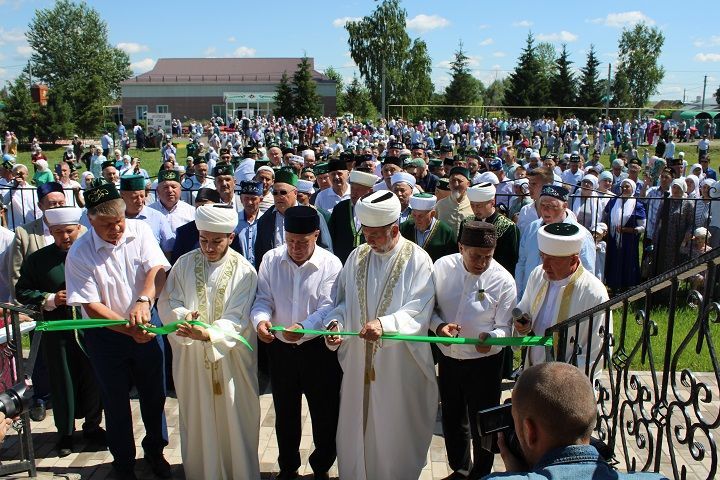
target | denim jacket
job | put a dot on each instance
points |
(574, 462)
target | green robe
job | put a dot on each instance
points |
(440, 241)
(74, 391)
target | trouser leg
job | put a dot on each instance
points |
(148, 373)
(454, 415)
(60, 376)
(286, 392)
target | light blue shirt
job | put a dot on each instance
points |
(160, 227)
(247, 233)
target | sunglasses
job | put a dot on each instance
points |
(282, 193)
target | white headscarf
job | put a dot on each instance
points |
(586, 208)
(680, 182)
(621, 212)
(83, 180)
(696, 182)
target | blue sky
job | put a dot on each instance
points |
(493, 37)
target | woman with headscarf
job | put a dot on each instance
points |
(43, 174)
(86, 180)
(625, 219)
(672, 236)
(584, 203)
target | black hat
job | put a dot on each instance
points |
(207, 195)
(260, 163)
(575, 157)
(287, 150)
(555, 191)
(250, 150)
(445, 149)
(336, 164)
(396, 145)
(199, 160)
(224, 151)
(478, 234)
(49, 187)
(301, 220)
(449, 161)
(168, 176)
(393, 161)
(100, 194)
(223, 169)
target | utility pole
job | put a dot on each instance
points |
(684, 90)
(382, 91)
(30, 74)
(607, 93)
(702, 101)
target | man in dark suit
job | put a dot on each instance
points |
(343, 225)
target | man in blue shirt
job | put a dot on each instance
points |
(132, 191)
(554, 412)
(251, 193)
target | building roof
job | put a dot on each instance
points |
(223, 70)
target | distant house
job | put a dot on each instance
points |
(196, 88)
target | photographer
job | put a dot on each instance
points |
(554, 412)
(5, 424)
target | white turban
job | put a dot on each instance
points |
(265, 168)
(63, 216)
(402, 177)
(378, 209)
(562, 239)
(423, 201)
(482, 192)
(304, 186)
(362, 178)
(216, 218)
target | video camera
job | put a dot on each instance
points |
(17, 399)
(498, 419)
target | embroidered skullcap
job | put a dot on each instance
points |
(363, 178)
(555, 191)
(560, 239)
(100, 194)
(443, 184)
(305, 186)
(301, 219)
(423, 201)
(478, 234)
(495, 164)
(63, 216)
(402, 177)
(216, 218)
(168, 176)
(378, 209)
(482, 192)
(248, 187)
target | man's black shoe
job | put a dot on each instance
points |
(321, 476)
(64, 446)
(287, 475)
(96, 436)
(160, 467)
(124, 475)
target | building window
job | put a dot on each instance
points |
(162, 109)
(141, 112)
(218, 110)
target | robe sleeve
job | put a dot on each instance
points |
(235, 317)
(435, 319)
(171, 304)
(264, 306)
(25, 290)
(502, 323)
(413, 317)
(338, 312)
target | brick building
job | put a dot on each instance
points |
(196, 88)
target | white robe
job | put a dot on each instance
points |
(219, 433)
(549, 303)
(396, 287)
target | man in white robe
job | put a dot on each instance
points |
(215, 375)
(388, 397)
(558, 289)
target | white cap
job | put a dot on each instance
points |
(535, 155)
(488, 177)
(216, 218)
(560, 239)
(600, 227)
(378, 209)
(362, 178)
(402, 177)
(423, 201)
(701, 232)
(265, 168)
(482, 192)
(63, 216)
(305, 186)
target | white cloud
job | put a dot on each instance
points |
(131, 47)
(340, 22)
(499, 54)
(523, 24)
(11, 36)
(24, 51)
(624, 19)
(142, 66)
(210, 52)
(231, 39)
(483, 26)
(711, 42)
(486, 42)
(563, 36)
(707, 57)
(424, 23)
(2, 72)
(243, 52)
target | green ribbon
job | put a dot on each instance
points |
(83, 323)
(528, 341)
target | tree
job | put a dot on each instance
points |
(20, 110)
(638, 73)
(379, 43)
(717, 95)
(56, 117)
(590, 92)
(464, 89)
(495, 93)
(284, 100)
(305, 98)
(91, 118)
(547, 56)
(526, 85)
(71, 52)
(562, 83)
(358, 101)
(334, 75)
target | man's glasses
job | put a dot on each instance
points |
(282, 193)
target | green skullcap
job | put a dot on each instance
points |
(286, 176)
(132, 183)
(168, 176)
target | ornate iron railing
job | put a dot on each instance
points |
(17, 450)
(659, 417)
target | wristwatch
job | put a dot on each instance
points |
(143, 298)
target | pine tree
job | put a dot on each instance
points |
(284, 100)
(306, 101)
(717, 95)
(527, 87)
(20, 110)
(562, 83)
(464, 89)
(590, 92)
(56, 117)
(358, 101)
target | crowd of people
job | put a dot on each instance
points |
(428, 228)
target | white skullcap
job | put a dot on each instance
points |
(488, 177)
(362, 178)
(701, 232)
(63, 216)
(600, 227)
(216, 218)
(304, 186)
(482, 192)
(681, 154)
(535, 155)
(378, 209)
(265, 168)
(592, 179)
(560, 239)
(298, 159)
(423, 201)
(528, 150)
(402, 177)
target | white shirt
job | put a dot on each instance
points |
(6, 241)
(69, 193)
(527, 215)
(245, 171)
(289, 293)
(478, 303)
(99, 272)
(327, 199)
(178, 216)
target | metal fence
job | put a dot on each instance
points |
(13, 368)
(664, 418)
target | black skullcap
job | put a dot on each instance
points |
(336, 164)
(478, 234)
(49, 187)
(223, 169)
(301, 220)
(207, 195)
(100, 194)
(555, 191)
(393, 161)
